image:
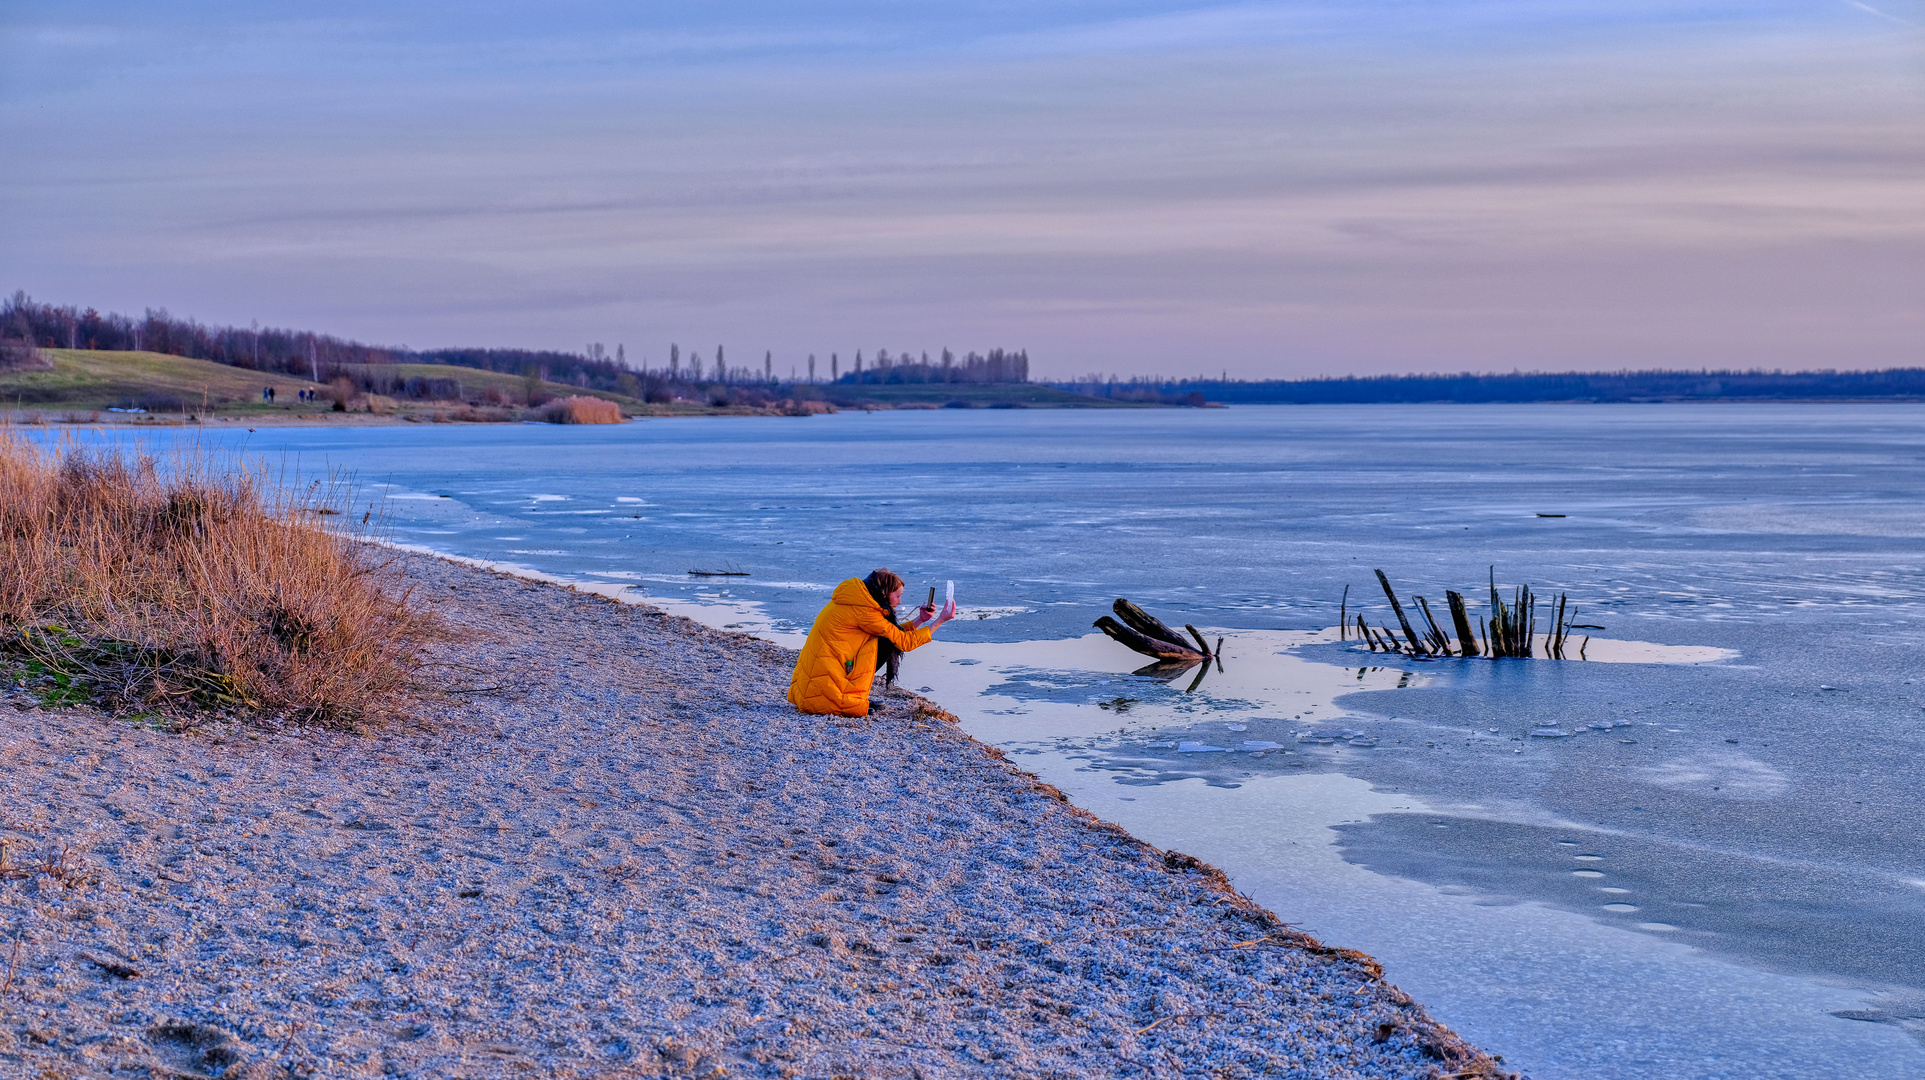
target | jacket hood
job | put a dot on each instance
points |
(855, 594)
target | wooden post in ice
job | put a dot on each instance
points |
(1466, 641)
(1399, 609)
(1438, 641)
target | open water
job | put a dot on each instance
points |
(1708, 867)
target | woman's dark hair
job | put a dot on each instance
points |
(881, 583)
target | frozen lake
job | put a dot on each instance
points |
(1718, 872)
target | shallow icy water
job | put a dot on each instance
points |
(1563, 974)
(1718, 857)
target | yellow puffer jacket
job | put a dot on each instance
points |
(838, 662)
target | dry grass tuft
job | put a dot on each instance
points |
(924, 709)
(581, 410)
(140, 583)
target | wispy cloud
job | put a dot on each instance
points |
(1286, 187)
(1887, 16)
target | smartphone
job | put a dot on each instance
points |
(932, 597)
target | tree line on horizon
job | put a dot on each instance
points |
(696, 375)
(1521, 387)
(323, 357)
(996, 366)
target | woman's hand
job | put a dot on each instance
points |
(923, 615)
(948, 612)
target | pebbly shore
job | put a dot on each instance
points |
(608, 847)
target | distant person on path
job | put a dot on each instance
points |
(854, 635)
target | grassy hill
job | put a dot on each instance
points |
(86, 381)
(82, 379)
(475, 382)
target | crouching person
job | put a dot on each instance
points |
(856, 634)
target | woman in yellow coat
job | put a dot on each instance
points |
(839, 660)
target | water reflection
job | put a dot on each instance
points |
(1168, 671)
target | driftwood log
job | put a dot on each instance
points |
(1145, 623)
(1143, 632)
(1148, 646)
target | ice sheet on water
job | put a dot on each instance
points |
(1330, 736)
(1260, 744)
(984, 614)
(1199, 748)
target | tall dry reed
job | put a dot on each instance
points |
(581, 410)
(143, 582)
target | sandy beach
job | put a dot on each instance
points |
(616, 851)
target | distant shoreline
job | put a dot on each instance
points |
(52, 418)
(151, 390)
(1541, 388)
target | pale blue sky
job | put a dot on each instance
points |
(1276, 189)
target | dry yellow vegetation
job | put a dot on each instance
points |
(143, 583)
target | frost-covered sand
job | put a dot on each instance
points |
(629, 858)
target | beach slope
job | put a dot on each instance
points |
(616, 851)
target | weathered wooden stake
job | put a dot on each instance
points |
(1390, 639)
(1399, 609)
(1437, 640)
(1201, 643)
(1557, 630)
(1466, 644)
